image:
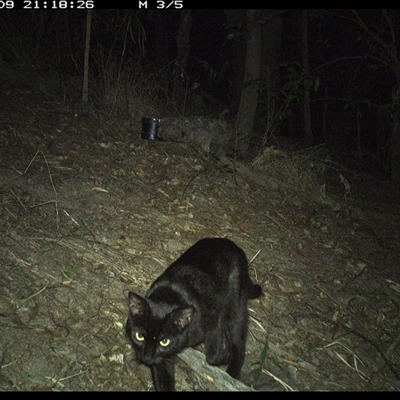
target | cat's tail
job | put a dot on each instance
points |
(253, 290)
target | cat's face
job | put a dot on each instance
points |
(156, 331)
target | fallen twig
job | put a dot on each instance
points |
(361, 336)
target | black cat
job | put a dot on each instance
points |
(201, 297)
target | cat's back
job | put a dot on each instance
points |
(213, 256)
(210, 264)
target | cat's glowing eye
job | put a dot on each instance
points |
(139, 337)
(165, 342)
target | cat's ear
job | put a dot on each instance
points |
(182, 316)
(137, 304)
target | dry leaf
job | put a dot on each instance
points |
(17, 320)
(49, 333)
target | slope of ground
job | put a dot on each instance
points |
(90, 211)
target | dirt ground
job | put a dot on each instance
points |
(89, 211)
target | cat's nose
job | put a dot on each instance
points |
(148, 355)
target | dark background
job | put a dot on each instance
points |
(352, 81)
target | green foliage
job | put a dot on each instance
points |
(216, 75)
(294, 86)
(262, 358)
(65, 275)
(351, 104)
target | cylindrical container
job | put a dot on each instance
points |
(150, 128)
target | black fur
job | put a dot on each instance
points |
(201, 297)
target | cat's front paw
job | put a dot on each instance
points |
(221, 358)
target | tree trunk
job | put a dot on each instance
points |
(395, 152)
(267, 120)
(161, 49)
(85, 89)
(236, 21)
(308, 135)
(249, 98)
(183, 41)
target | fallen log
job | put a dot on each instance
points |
(213, 375)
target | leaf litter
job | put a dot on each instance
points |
(90, 211)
